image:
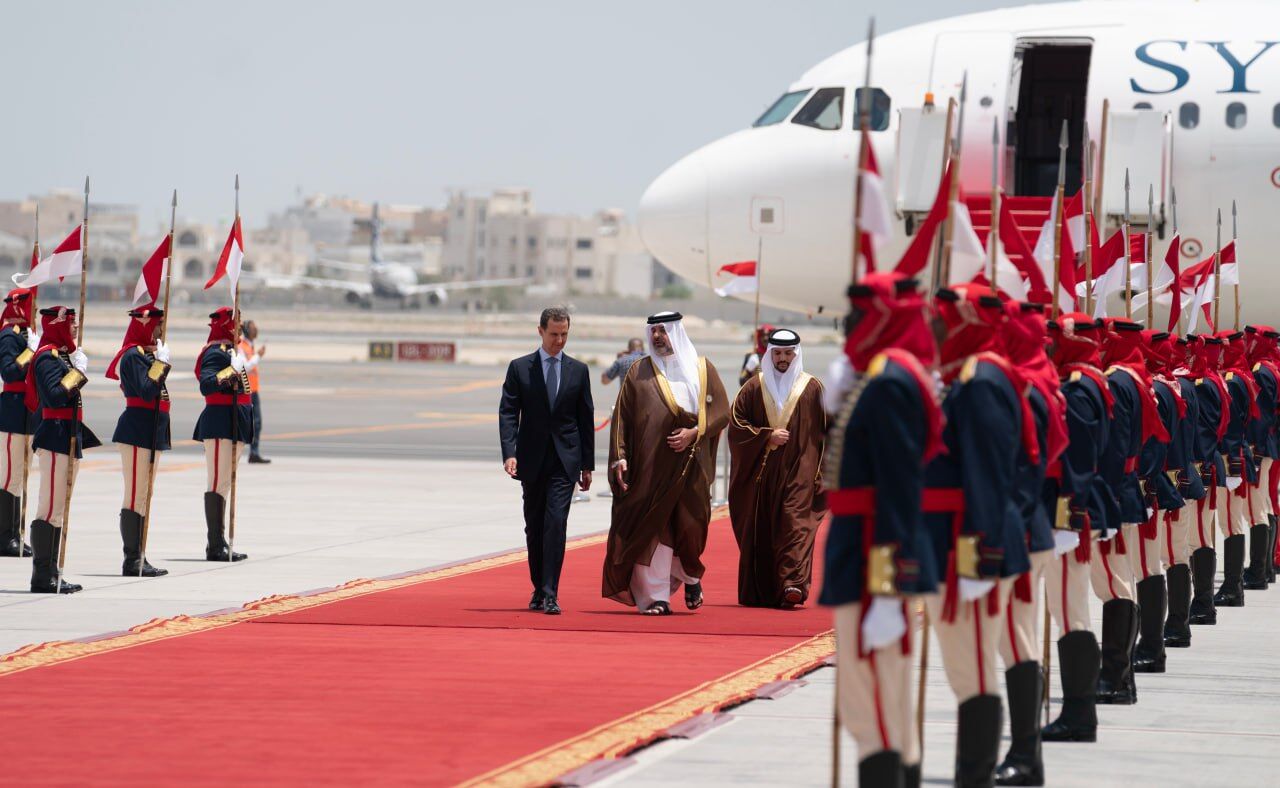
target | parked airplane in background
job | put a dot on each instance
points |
(785, 185)
(388, 279)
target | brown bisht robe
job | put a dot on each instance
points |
(775, 497)
(669, 494)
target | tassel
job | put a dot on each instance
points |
(1022, 588)
(993, 600)
(1084, 550)
(1121, 547)
(951, 594)
(906, 636)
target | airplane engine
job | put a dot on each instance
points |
(437, 297)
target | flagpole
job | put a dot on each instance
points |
(235, 396)
(1150, 248)
(166, 269)
(993, 237)
(1089, 219)
(862, 110)
(26, 415)
(1217, 274)
(76, 403)
(1059, 202)
(936, 274)
(1102, 162)
(1128, 254)
(1177, 289)
(1235, 249)
(759, 269)
(948, 239)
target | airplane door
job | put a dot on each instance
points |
(986, 57)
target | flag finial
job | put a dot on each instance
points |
(1126, 195)
(86, 185)
(174, 204)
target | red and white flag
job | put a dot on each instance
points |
(64, 262)
(744, 278)
(153, 273)
(874, 216)
(1072, 239)
(916, 257)
(231, 259)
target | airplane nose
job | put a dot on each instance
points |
(673, 218)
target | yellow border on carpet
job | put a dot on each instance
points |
(60, 651)
(624, 734)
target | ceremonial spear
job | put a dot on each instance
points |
(863, 111)
(1089, 219)
(167, 271)
(1151, 245)
(1128, 254)
(948, 242)
(76, 402)
(1217, 274)
(235, 399)
(1059, 201)
(993, 237)
(1177, 289)
(26, 415)
(1235, 253)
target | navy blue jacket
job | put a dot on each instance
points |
(1156, 457)
(883, 449)
(1028, 492)
(14, 416)
(1262, 430)
(145, 428)
(1125, 444)
(55, 434)
(215, 420)
(1207, 450)
(984, 441)
(1182, 449)
(1088, 429)
(1239, 455)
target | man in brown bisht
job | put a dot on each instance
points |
(662, 459)
(776, 436)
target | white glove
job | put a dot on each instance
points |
(238, 361)
(974, 589)
(162, 352)
(1064, 542)
(1108, 534)
(840, 377)
(33, 341)
(80, 361)
(1233, 482)
(884, 622)
(753, 363)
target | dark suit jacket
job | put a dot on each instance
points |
(527, 423)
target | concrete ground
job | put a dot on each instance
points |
(385, 469)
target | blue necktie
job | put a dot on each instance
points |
(553, 379)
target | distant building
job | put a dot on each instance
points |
(502, 236)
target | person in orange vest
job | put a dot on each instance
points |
(252, 354)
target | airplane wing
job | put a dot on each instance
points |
(343, 265)
(291, 282)
(474, 284)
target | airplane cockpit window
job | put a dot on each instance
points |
(1189, 115)
(1237, 115)
(781, 108)
(1142, 105)
(878, 118)
(823, 111)
(1275, 116)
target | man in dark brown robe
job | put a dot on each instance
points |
(776, 437)
(662, 460)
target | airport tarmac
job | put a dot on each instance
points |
(386, 468)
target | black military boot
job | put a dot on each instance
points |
(978, 741)
(45, 542)
(883, 768)
(1078, 663)
(1255, 577)
(11, 545)
(1148, 656)
(1177, 632)
(1204, 564)
(1024, 684)
(911, 775)
(1231, 592)
(215, 509)
(1119, 630)
(1271, 551)
(135, 565)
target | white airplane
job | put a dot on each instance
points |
(389, 279)
(785, 185)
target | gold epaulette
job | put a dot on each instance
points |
(17, 330)
(54, 352)
(157, 371)
(1230, 376)
(73, 380)
(1199, 381)
(226, 374)
(969, 369)
(1257, 366)
(24, 358)
(881, 573)
(1062, 515)
(967, 557)
(1111, 369)
(877, 365)
(140, 350)
(1076, 376)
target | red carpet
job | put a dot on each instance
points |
(440, 678)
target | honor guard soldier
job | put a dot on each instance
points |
(1266, 449)
(18, 343)
(227, 417)
(1163, 500)
(1183, 469)
(1233, 507)
(1020, 641)
(1083, 510)
(979, 539)
(141, 366)
(54, 379)
(1204, 354)
(887, 426)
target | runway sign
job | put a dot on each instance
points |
(445, 352)
(382, 351)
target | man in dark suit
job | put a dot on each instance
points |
(546, 423)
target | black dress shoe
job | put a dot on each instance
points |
(550, 606)
(535, 601)
(258, 459)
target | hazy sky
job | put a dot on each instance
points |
(583, 101)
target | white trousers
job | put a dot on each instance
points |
(11, 460)
(51, 505)
(1111, 570)
(1020, 637)
(1067, 584)
(874, 692)
(659, 580)
(217, 460)
(136, 462)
